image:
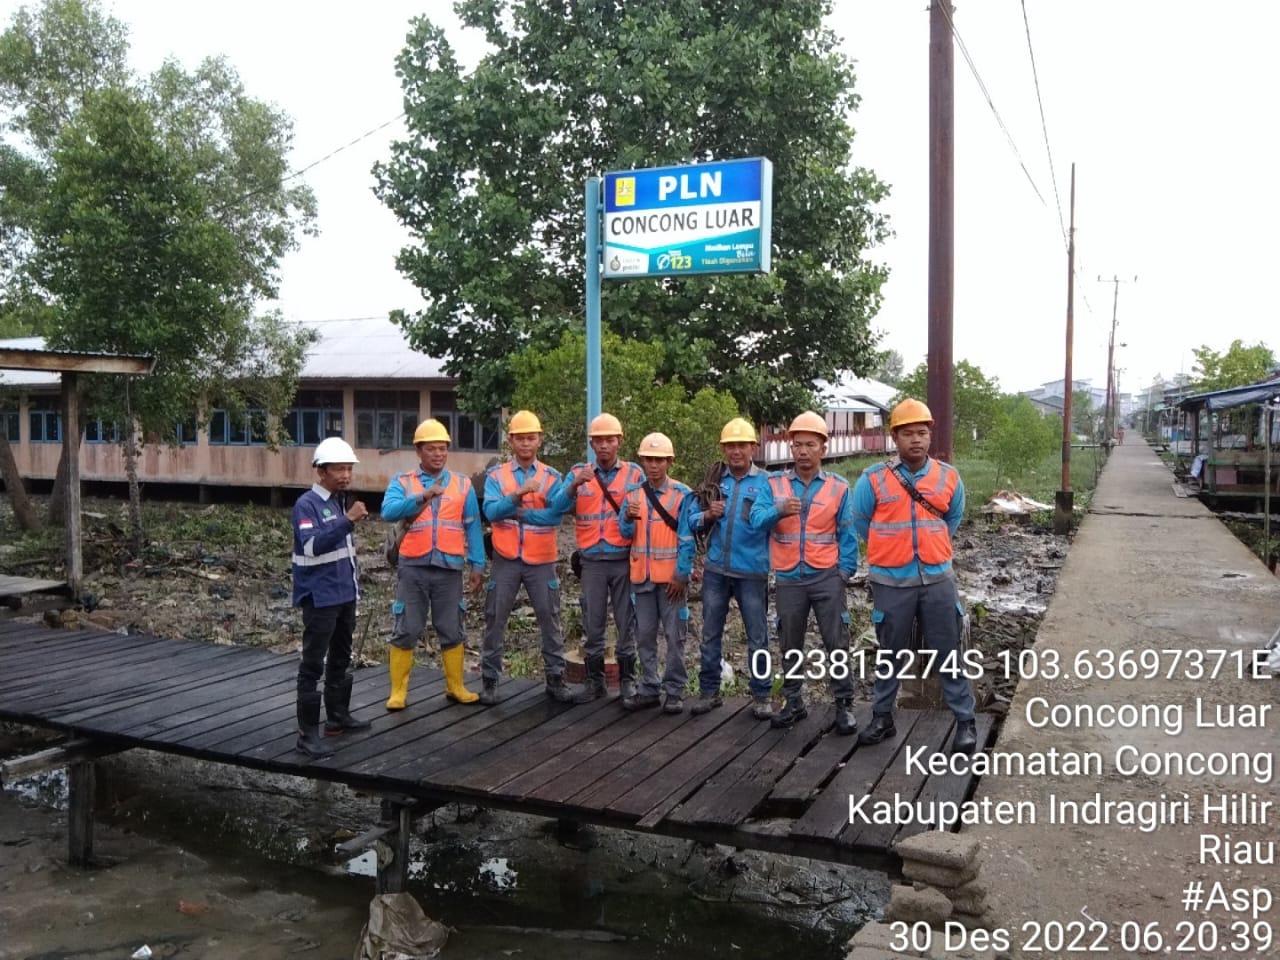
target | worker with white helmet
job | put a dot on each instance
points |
(814, 551)
(525, 549)
(326, 587)
(737, 565)
(442, 543)
(656, 519)
(908, 510)
(594, 493)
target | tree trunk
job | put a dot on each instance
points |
(137, 538)
(23, 512)
(58, 496)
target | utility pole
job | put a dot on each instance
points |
(941, 224)
(1064, 502)
(1108, 419)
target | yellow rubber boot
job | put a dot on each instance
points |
(401, 664)
(451, 659)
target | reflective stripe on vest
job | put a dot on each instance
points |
(901, 530)
(594, 519)
(519, 541)
(333, 556)
(809, 536)
(656, 546)
(439, 526)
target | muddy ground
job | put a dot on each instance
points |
(228, 843)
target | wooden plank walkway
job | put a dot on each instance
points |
(719, 778)
(11, 586)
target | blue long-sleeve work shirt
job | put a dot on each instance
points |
(864, 508)
(684, 533)
(765, 516)
(397, 504)
(324, 551)
(498, 506)
(562, 501)
(735, 546)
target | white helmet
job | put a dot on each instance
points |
(333, 450)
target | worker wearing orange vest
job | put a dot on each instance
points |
(524, 553)
(443, 540)
(814, 552)
(656, 519)
(594, 492)
(907, 510)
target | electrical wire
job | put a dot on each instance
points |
(1044, 126)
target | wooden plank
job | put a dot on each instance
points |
(638, 762)
(214, 699)
(732, 793)
(71, 433)
(80, 796)
(11, 586)
(53, 758)
(553, 739)
(39, 668)
(66, 361)
(949, 787)
(811, 770)
(37, 635)
(931, 730)
(829, 812)
(682, 775)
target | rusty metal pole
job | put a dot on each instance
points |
(941, 224)
(1064, 502)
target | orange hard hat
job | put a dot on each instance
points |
(522, 421)
(604, 425)
(909, 411)
(809, 422)
(656, 445)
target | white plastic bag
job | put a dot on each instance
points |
(399, 930)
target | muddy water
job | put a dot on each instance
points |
(506, 883)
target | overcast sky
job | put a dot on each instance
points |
(1167, 108)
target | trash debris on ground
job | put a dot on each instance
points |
(142, 953)
(1013, 504)
(399, 930)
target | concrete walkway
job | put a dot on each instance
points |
(1147, 572)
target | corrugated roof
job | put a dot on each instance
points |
(855, 393)
(368, 349)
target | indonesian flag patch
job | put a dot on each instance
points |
(305, 524)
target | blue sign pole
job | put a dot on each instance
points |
(594, 400)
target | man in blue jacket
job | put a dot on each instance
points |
(326, 588)
(737, 566)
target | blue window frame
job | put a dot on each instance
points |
(248, 429)
(45, 417)
(315, 414)
(101, 431)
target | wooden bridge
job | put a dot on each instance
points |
(718, 778)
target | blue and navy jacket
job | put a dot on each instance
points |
(735, 546)
(864, 508)
(324, 552)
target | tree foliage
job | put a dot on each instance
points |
(1020, 438)
(975, 401)
(888, 368)
(1239, 366)
(1084, 418)
(550, 383)
(490, 183)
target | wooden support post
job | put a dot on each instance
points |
(80, 781)
(393, 857)
(71, 444)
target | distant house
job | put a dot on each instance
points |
(856, 415)
(360, 381)
(1049, 397)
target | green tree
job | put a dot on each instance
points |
(1084, 418)
(888, 368)
(1239, 366)
(160, 216)
(1020, 438)
(550, 383)
(490, 183)
(975, 401)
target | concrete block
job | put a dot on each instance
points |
(937, 876)
(910, 905)
(879, 936)
(953, 850)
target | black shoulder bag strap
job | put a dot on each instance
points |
(656, 504)
(604, 488)
(915, 494)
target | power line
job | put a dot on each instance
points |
(1035, 75)
(333, 153)
(964, 52)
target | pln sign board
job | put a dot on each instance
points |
(702, 218)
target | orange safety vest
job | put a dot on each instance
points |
(439, 525)
(901, 530)
(655, 547)
(519, 541)
(594, 519)
(809, 536)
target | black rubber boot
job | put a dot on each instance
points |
(881, 728)
(337, 708)
(791, 713)
(966, 740)
(595, 687)
(309, 739)
(489, 692)
(846, 725)
(556, 689)
(627, 677)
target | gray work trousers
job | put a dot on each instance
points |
(605, 584)
(653, 608)
(540, 583)
(420, 590)
(822, 593)
(937, 607)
